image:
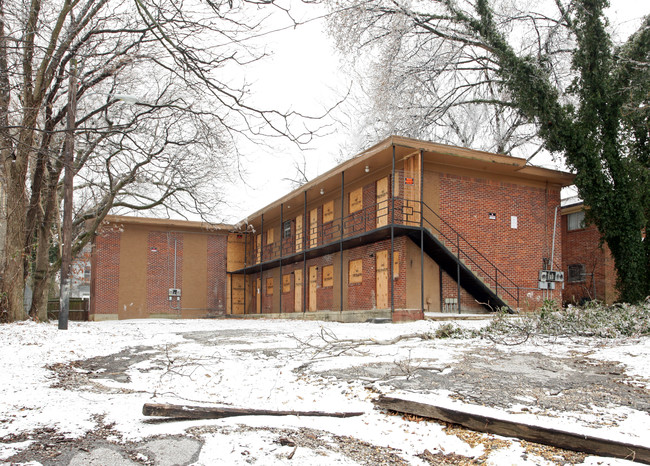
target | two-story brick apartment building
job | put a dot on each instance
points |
(405, 227)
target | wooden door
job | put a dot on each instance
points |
(299, 233)
(382, 271)
(297, 277)
(258, 296)
(412, 190)
(382, 202)
(237, 285)
(313, 285)
(313, 228)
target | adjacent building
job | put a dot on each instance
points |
(405, 227)
(589, 266)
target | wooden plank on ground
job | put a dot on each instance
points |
(531, 433)
(210, 412)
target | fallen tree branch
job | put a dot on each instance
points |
(328, 344)
(207, 412)
(532, 433)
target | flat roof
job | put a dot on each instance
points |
(163, 222)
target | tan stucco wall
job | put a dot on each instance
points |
(413, 280)
(195, 280)
(132, 302)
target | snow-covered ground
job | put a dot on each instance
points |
(97, 376)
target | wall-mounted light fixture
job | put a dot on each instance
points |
(367, 169)
(322, 191)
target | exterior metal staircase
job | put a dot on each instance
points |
(481, 278)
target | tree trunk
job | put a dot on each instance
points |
(13, 282)
(42, 276)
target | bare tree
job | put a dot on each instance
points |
(419, 85)
(550, 66)
(167, 149)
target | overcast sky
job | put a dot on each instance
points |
(304, 73)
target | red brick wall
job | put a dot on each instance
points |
(582, 246)
(450, 290)
(105, 273)
(216, 250)
(465, 203)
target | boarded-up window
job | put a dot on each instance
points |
(355, 271)
(328, 276)
(269, 286)
(286, 283)
(395, 264)
(328, 212)
(356, 200)
(269, 237)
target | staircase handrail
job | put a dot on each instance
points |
(459, 237)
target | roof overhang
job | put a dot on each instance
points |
(380, 155)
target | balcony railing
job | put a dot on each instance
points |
(407, 213)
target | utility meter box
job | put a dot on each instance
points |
(174, 293)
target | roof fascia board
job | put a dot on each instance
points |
(184, 224)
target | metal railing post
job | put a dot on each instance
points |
(458, 268)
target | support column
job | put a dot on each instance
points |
(245, 265)
(392, 236)
(281, 243)
(259, 291)
(458, 269)
(304, 255)
(341, 241)
(422, 230)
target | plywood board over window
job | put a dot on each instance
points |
(328, 212)
(269, 236)
(355, 271)
(396, 264)
(328, 276)
(269, 286)
(356, 200)
(286, 283)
